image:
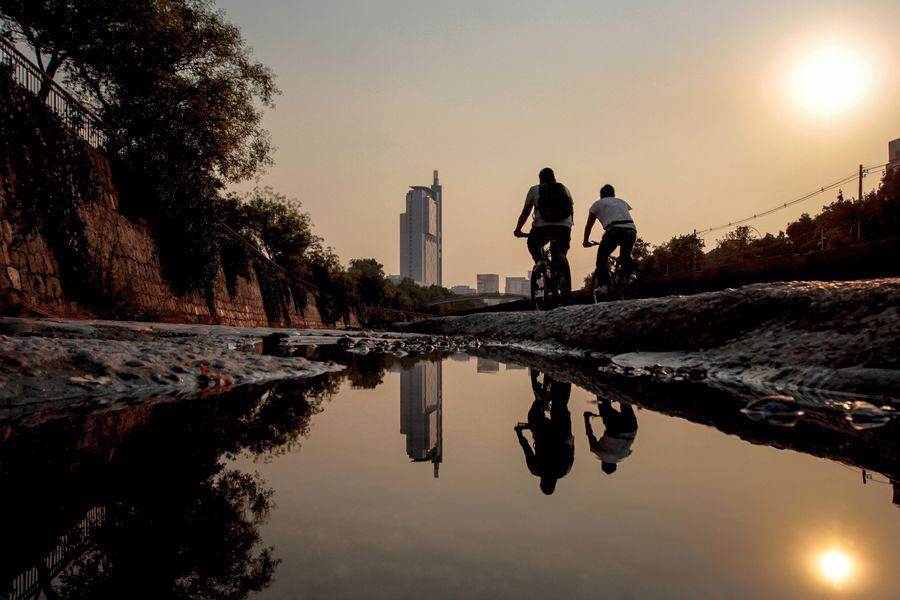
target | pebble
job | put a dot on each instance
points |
(865, 415)
(780, 411)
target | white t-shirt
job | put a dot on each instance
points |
(531, 199)
(611, 449)
(612, 210)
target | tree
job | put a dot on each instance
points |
(802, 233)
(369, 281)
(183, 99)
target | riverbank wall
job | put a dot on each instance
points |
(127, 257)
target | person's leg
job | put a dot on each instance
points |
(559, 247)
(607, 245)
(627, 238)
(537, 237)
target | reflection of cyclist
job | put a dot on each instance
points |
(615, 216)
(619, 431)
(554, 444)
(552, 208)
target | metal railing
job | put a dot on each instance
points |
(73, 113)
(28, 584)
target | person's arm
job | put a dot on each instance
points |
(587, 230)
(592, 439)
(528, 451)
(526, 212)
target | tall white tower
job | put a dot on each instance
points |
(420, 235)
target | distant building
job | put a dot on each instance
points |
(394, 278)
(518, 285)
(894, 154)
(486, 365)
(420, 234)
(463, 290)
(488, 283)
(421, 412)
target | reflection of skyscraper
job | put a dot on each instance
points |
(421, 412)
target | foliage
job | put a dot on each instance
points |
(280, 232)
(841, 223)
(678, 254)
(47, 176)
(183, 96)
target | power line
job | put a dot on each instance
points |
(805, 197)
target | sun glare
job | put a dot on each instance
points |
(835, 566)
(831, 80)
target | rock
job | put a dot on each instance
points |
(865, 415)
(781, 411)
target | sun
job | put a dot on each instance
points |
(835, 566)
(831, 80)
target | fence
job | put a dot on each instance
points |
(29, 584)
(76, 116)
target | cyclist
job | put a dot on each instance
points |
(551, 205)
(619, 430)
(615, 217)
(553, 453)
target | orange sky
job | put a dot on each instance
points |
(686, 108)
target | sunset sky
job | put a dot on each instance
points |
(698, 112)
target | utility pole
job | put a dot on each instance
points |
(860, 197)
(695, 244)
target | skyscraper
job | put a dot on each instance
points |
(421, 412)
(894, 154)
(421, 238)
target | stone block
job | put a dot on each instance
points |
(38, 285)
(54, 287)
(15, 278)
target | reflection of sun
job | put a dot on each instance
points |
(831, 80)
(835, 565)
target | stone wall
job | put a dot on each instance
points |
(128, 260)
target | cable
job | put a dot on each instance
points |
(805, 197)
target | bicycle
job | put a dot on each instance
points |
(619, 277)
(548, 288)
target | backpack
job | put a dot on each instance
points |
(554, 204)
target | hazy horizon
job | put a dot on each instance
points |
(685, 107)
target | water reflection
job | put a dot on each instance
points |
(486, 365)
(550, 454)
(421, 412)
(835, 566)
(160, 500)
(137, 502)
(619, 430)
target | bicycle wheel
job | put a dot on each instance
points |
(618, 281)
(564, 283)
(540, 290)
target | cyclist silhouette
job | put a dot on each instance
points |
(552, 210)
(619, 430)
(553, 453)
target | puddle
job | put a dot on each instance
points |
(420, 470)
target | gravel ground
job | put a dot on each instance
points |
(826, 335)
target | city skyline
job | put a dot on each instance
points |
(466, 87)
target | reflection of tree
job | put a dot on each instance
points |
(280, 418)
(198, 541)
(367, 371)
(178, 524)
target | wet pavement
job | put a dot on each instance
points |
(446, 474)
